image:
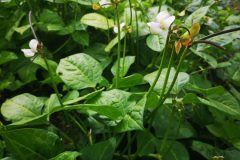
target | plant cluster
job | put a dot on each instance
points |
(119, 79)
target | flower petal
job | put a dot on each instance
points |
(33, 44)
(168, 22)
(162, 16)
(28, 52)
(154, 27)
(104, 3)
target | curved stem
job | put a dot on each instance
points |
(161, 101)
(119, 48)
(159, 69)
(220, 33)
(167, 74)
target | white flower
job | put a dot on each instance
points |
(104, 3)
(33, 44)
(163, 22)
(115, 28)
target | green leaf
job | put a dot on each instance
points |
(79, 71)
(228, 131)
(32, 143)
(113, 42)
(6, 56)
(104, 110)
(146, 143)
(206, 150)
(102, 150)
(68, 155)
(133, 120)
(51, 104)
(81, 37)
(130, 81)
(50, 17)
(177, 151)
(172, 122)
(224, 102)
(208, 58)
(157, 42)
(22, 107)
(182, 79)
(196, 16)
(22, 29)
(129, 60)
(97, 20)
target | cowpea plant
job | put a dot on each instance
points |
(119, 79)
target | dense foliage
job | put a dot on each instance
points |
(120, 79)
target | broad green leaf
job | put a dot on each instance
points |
(196, 16)
(124, 67)
(206, 150)
(97, 20)
(28, 72)
(85, 2)
(11, 31)
(70, 95)
(146, 143)
(6, 56)
(130, 81)
(157, 42)
(113, 42)
(22, 107)
(228, 131)
(50, 21)
(32, 143)
(102, 150)
(68, 155)
(79, 71)
(97, 51)
(206, 57)
(172, 121)
(182, 79)
(51, 104)
(133, 120)
(104, 110)
(224, 102)
(84, 97)
(177, 151)
(81, 37)
(22, 29)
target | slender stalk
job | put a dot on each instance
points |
(160, 5)
(119, 47)
(161, 101)
(136, 38)
(159, 69)
(167, 74)
(220, 33)
(80, 126)
(130, 5)
(124, 53)
(62, 46)
(210, 43)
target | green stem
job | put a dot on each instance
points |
(136, 38)
(167, 74)
(119, 48)
(159, 69)
(130, 5)
(124, 53)
(81, 128)
(160, 5)
(52, 80)
(161, 101)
